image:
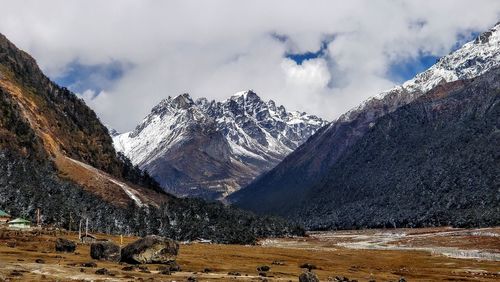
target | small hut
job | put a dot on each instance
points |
(19, 223)
(4, 217)
(87, 239)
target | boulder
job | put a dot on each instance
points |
(150, 249)
(105, 250)
(128, 268)
(89, 264)
(263, 268)
(102, 271)
(308, 276)
(174, 266)
(65, 246)
(278, 262)
(165, 270)
(308, 266)
(234, 273)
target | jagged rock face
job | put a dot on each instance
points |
(210, 149)
(293, 177)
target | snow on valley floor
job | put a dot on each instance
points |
(479, 244)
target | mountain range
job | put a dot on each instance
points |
(56, 156)
(209, 149)
(422, 153)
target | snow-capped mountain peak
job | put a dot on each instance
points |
(471, 60)
(253, 135)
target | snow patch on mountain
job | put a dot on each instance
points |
(258, 134)
(471, 60)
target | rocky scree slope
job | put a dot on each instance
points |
(57, 156)
(281, 188)
(209, 149)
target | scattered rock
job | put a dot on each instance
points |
(58, 257)
(20, 259)
(11, 244)
(308, 266)
(65, 246)
(341, 279)
(102, 271)
(150, 249)
(234, 273)
(263, 268)
(105, 250)
(82, 269)
(402, 279)
(174, 266)
(16, 273)
(263, 274)
(39, 261)
(207, 270)
(308, 276)
(144, 269)
(192, 279)
(128, 268)
(278, 262)
(164, 270)
(89, 264)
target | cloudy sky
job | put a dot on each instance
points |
(322, 57)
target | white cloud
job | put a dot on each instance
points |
(311, 75)
(215, 48)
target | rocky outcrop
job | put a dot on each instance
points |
(65, 246)
(150, 249)
(105, 250)
(308, 276)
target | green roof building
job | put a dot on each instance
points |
(4, 217)
(19, 223)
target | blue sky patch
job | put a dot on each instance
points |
(80, 77)
(300, 57)
(402, 71)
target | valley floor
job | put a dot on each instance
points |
(429, 254)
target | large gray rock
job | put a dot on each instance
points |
(308, 276)
(105, 250)
(65, 246)
(150, 249)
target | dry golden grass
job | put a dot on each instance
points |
(19, 252)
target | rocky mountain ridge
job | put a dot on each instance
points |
(210, 149)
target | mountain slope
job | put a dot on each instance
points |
(57, 156)
(276, 191)
(435, 161)
(210, 149)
